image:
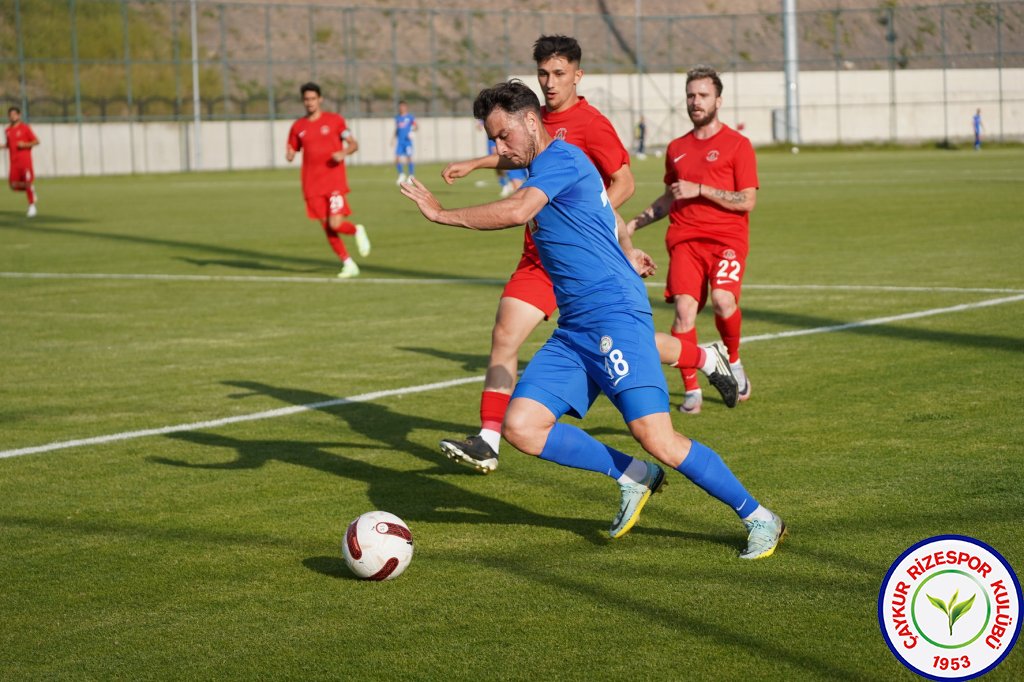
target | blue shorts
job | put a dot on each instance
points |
(615, 356)
(403, 148)
(492, 146)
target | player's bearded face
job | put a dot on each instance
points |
(702, 102)
(512, 136)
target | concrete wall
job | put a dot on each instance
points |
(835, 106)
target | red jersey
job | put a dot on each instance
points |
(725, 160)
(587, 128)
(20, 158)
(318, 140)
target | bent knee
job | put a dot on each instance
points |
(523, 434)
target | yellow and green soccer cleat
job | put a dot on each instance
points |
(634, 497)
(763, 537)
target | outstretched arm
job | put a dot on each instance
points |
(460, 169)
(653, 213)
(513, 211)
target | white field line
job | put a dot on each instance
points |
(242, 278)
(214, 423)
(425, 280)
(368, 397)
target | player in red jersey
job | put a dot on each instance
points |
(325, 141)
(528, 297)
(710, 189)
(20, 140)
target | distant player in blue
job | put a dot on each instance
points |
(405, 126)
(978, 127)
(604, 342)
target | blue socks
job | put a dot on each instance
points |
(572, 447)
(706, 469)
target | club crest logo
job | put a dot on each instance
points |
(712, 155)
(606, 344)
(325, 130)
(949, 608)
(729, 254)
(560, 134)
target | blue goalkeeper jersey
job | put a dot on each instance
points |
(575, 236)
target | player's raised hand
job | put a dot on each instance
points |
(457, 169)
(428, 204)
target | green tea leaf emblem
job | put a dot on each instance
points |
(954, 611)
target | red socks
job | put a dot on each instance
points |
(493, 406)
(729, 329)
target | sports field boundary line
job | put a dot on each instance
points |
(368, 397)
(452, 280)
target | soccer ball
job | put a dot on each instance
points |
(377, 546)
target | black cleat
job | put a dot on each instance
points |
(722, 377)
(473, 451)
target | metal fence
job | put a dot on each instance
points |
(119, 60)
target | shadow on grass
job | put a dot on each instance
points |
(470, 362)
(887, 331)
(239, 257)
(413, 495)
(18, 220)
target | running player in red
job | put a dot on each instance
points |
(710, 189)
(528, 299)
(325, 140)
(20, 140)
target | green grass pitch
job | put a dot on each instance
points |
(132, 304)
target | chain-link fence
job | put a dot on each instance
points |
(115, 60)
(135, 61)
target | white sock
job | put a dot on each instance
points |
(762, 513)
(737, 370)
(491, 437)
(710, 361)
(634, 473)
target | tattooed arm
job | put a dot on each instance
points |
(741, 201)
(653, 213)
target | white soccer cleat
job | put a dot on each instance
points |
(349, 270)
(692, 401)
(400, 180)
(31, 211)
(362, 241)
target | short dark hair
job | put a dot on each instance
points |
(512, 96)
(309, 87)
(14, 109)
(547, 47)
(701, 72)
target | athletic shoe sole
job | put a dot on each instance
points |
(452, 452)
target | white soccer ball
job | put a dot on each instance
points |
(795, 150)
(377, 546)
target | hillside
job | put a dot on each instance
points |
(253, 54)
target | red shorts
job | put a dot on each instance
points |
(696, 266)
(322, 206)
(22, 174)
(532, 284)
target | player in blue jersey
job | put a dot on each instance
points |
(405, 126)
(978, 128)
(604, 342)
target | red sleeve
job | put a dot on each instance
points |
(342, 127)
(31, 135)
(745, 168)
(605, 148)
(293, 137)
(670, 168)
